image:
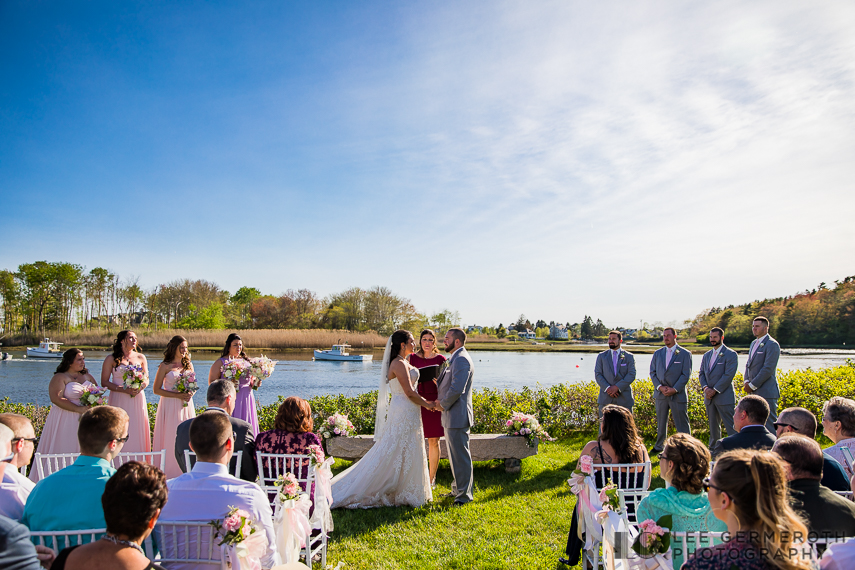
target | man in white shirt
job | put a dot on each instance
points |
(14, 487)
(207, 492)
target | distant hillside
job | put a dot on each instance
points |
(821, 316)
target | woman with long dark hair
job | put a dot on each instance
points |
(70, 381)
(126, 360)
(394, 472)
(429, 362)
(245, 398)
(174, 406)
(618, 442)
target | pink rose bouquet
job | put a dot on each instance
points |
(133, 376)
(289, 487)
(236, 370)
(187, 383)
(653, 537)
(235, 527)
(261, 368)
(337, 424)
(93, 396)
(527, 426)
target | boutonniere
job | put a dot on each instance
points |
(676, 351)
(761, 344)
(622, 356)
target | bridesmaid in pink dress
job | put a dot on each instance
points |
(60, 432)
(130, 400)
(245, 399)
(174, 406)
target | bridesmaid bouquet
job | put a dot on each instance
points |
(93, 396)
(133, 376)
(236, 370)
(288, 487)
(242, 541)
(261, 368)
(338, 424)
(528, 427)
(186, 383)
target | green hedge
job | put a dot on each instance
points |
(561, 409)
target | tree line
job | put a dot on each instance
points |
(59, 296)
(821, 316)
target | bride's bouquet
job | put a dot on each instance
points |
(235, 370)
(186, 383)
(133, 376)
(93, 396)
(338, 424)
(241, 539)
(528, 427)
(261, 368)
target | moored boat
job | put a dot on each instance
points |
(46, 349)
(339, 352)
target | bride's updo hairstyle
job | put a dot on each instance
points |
(398, 337)
(232, 337)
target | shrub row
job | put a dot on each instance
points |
(561, 409)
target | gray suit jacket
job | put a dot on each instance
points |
(676, 375)
(720, 378)
(605, 376)
(16, 550)
(761, 367)
(244, 441)
(455, 391)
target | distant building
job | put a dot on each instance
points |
(527, 333)
(558, 332)
(473, 329)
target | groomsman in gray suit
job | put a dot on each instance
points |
(615, 372)
(760, 369)
(718, 368)
(669, 371)
(455, 401)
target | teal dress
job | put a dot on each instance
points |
(690, 513)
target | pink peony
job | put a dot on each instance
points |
(586, 464)
(232, 522)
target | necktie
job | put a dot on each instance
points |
(754, 349)
(667, 357)
(712, 361)
(614, 361)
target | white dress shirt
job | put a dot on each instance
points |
(207, 493)
(669, 354)
(14, 490)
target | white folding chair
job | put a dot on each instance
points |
(156, 458)
(238, 457)
(270, 467)
(631, 498)
(56, 540)
(846, 494)
(190, 542)
(49, 463)
(619, 474)
(23, 470)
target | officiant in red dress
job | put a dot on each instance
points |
(429, 362)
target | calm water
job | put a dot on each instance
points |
(26, 380)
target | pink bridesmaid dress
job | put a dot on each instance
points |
(170, 413)
(60, 432)
(139, 428)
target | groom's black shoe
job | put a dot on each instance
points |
(457, 504)
(444, 495)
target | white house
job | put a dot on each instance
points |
(558, 332)
(527, 333)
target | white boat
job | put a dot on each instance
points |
(339, 352)
(46, 349)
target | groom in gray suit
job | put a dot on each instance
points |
(718, 368)
(760, 378)
(615, 372)
(455, 402)
(670, 369)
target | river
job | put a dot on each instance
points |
(26, 380)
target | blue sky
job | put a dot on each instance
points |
(629, 160)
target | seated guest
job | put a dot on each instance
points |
(749, 419)
(803, 422)
(221, 399)
(208, 492)
(14, 487)
(683, 464)
(292, 430)
(838, 424)
(826, 513)
(748, 492)
(618, 442)
(132, 501)
(839, 556)
(70, 499)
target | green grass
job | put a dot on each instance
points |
(518, 520)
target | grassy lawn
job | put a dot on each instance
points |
(517, 520)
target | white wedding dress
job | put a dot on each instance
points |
(394, 472)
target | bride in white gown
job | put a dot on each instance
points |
(394, 472)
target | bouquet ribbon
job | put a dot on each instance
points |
(322, 517)
(588, 506)
(291, 524)
(244, 555)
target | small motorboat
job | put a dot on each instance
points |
(5, 356)
(46, 349)
(339, 352)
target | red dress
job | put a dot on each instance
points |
(428, 373)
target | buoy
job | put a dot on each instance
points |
(577, 366)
